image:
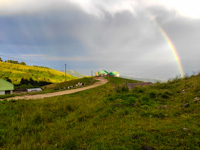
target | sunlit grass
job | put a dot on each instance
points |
(16, 71)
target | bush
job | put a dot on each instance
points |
(122, 88)
(152, 95)
(166, 95)
(145, 101)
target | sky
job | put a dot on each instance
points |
(128, 36)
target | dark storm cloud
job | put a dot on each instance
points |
(128, 42)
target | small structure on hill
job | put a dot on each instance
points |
(132, 85)
(6, 87)
(34, 90)
(101, 73)
(114, 74)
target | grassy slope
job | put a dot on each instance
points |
(16, 71)
(106, 118)
(55, 87)
(74, 73)
(85, 80)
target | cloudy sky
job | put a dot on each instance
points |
(121, 35)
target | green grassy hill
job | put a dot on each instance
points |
(74, 73)
(160, 116)
(16, 72)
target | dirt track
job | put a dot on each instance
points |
(41, 96)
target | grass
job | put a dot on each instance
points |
(16, 72)
(107, 118)
(85, 80)
(56, 87)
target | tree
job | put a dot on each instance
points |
(22, 63)
(31, 81)
(24, 81)
(1, 59)
(13, 61)
(7, 79)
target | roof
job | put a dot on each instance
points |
(113, 73)
(5, 85)
(34, 89)
(103, 72)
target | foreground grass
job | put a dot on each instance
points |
(107, 117)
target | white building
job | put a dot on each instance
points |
(34, 90)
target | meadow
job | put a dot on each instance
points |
(16, 72)
(160, 116)
(55, 87)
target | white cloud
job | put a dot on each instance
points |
(187, 8)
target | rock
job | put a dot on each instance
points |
(183, 91)
(147, 148)
(186, 105)
(196, 99)
(185, 129)
(163, 106)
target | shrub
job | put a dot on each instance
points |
(166, 95)
(152, 95)
(122, 88)
(37, 118)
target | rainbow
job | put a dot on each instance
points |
(171, 45)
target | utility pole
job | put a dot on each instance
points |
(66, 75)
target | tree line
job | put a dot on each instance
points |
(13, 62)
(28, 83)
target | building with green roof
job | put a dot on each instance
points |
(114, 74)
(101, 73)
(6, 87)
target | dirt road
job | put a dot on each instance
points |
(41, 96)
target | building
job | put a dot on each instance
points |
(101, 73)
(114, 74)
(34, 90)
(6, 87)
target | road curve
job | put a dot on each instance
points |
(41, 96)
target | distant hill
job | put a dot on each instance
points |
(74, 73)
(16, 72)
(142, 79)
